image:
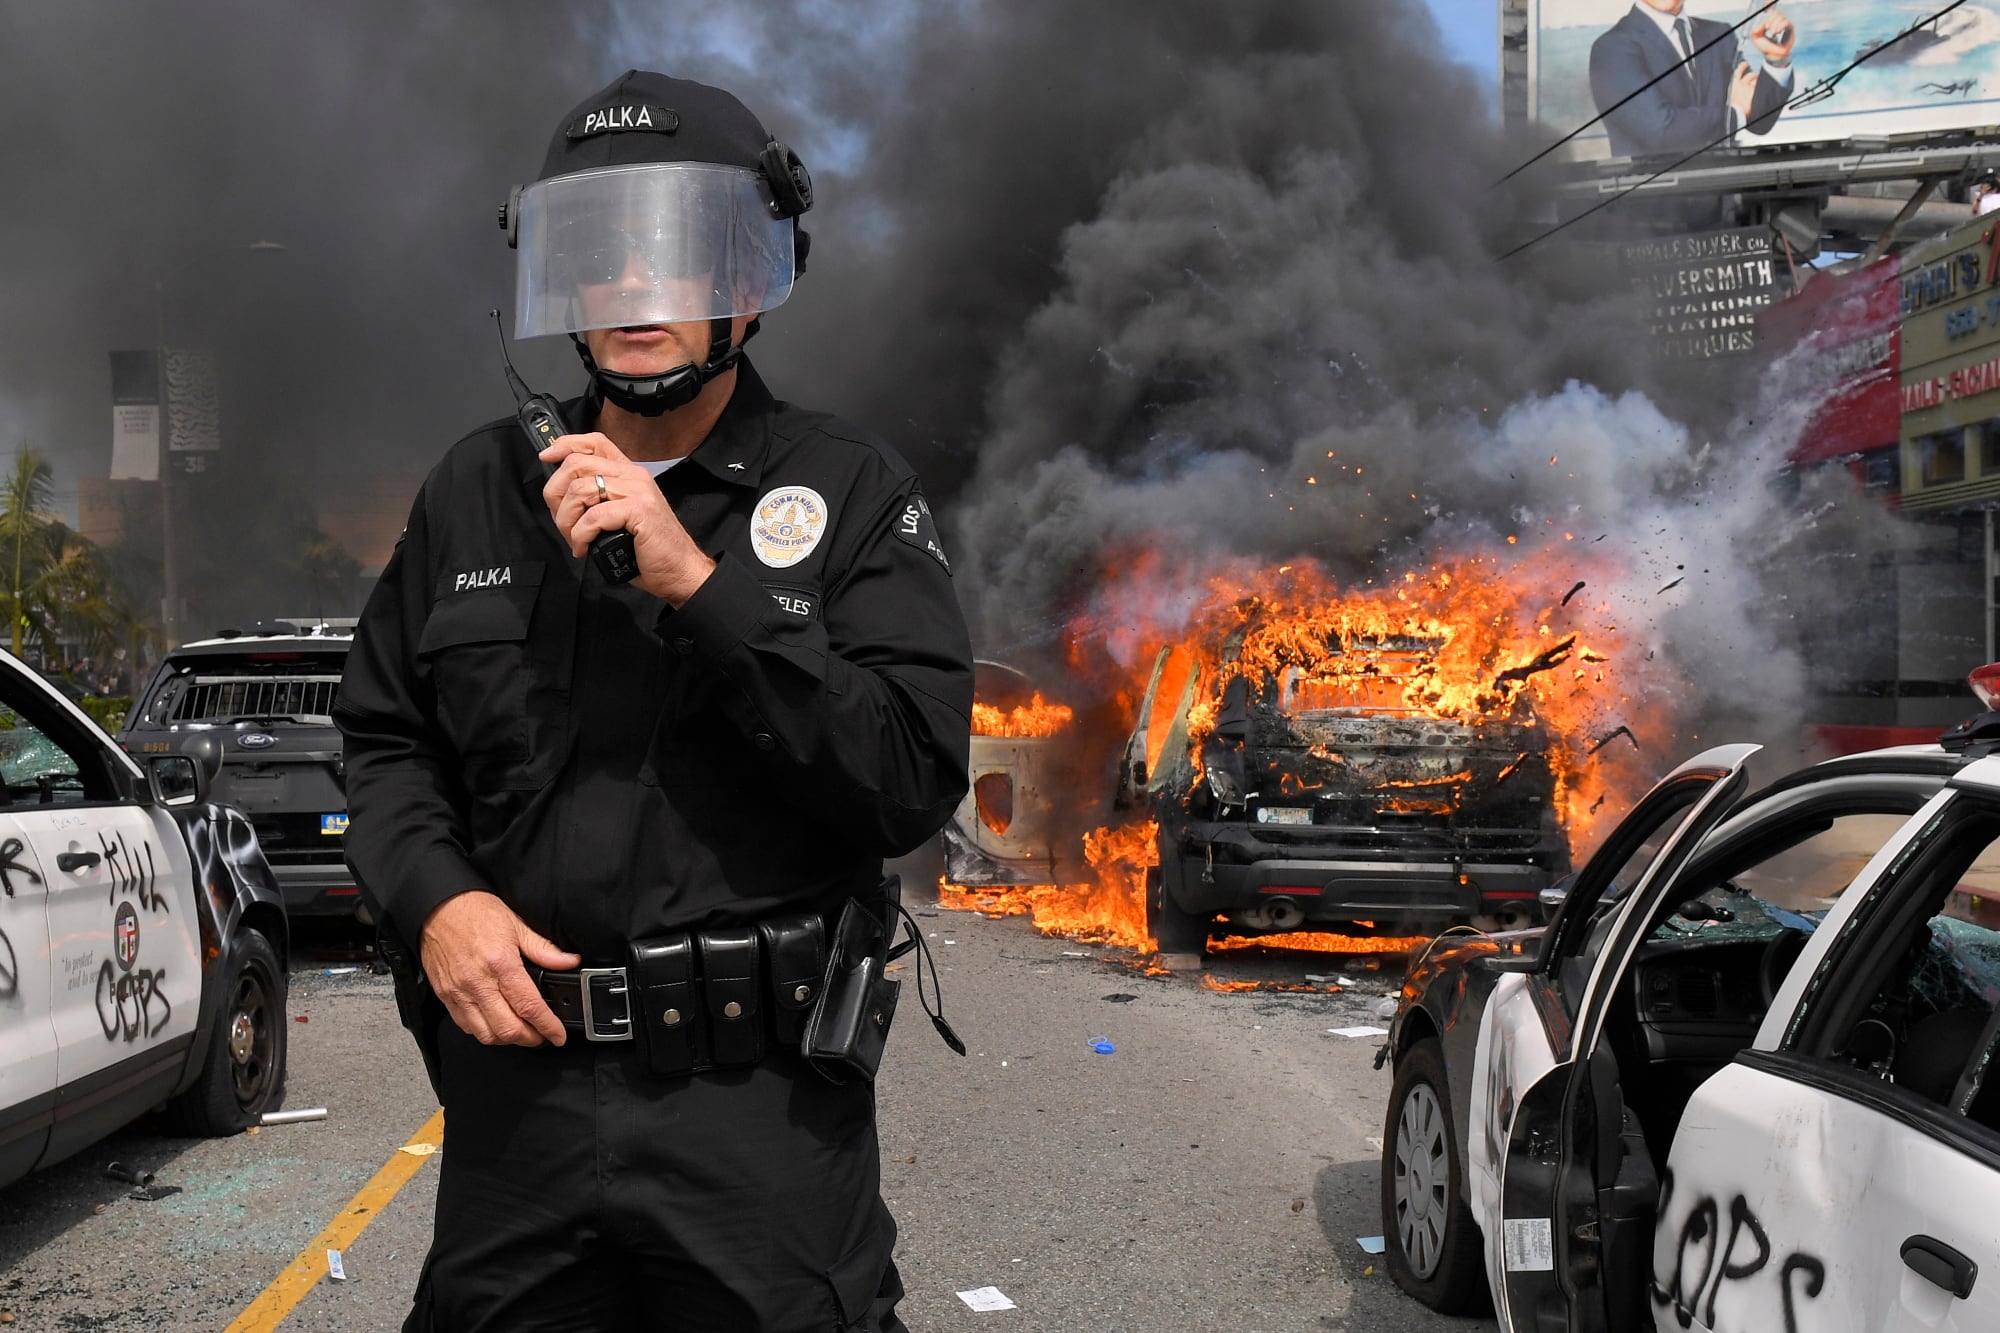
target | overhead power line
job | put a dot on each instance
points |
(1819, 92)
(1675, 68)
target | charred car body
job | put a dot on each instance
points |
(1005, 831)
(254, 709)
(1313, 792)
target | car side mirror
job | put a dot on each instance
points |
(1553, 896)
(176, 779)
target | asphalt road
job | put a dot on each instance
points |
(1212, 1172)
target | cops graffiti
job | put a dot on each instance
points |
(127, 1003)
(10, 969)
(1704, 1260)
(132, 872)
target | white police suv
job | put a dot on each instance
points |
(142, 940)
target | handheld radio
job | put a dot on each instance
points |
(617, 559)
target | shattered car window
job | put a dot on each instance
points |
(34, 768)
(1791, 889)
(1928, 1027)
(1960, 969)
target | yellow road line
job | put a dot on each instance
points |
(303, 1273)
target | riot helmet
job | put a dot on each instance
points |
(660, 201)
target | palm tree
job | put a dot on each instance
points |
(56, 585)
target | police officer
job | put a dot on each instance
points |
(598, 813)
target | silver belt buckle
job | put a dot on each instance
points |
(620, 1028)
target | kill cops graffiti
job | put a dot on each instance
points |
(131, 1002)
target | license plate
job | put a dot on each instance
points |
(1284, 814)
(332, 826)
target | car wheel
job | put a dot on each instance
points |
(1432, 1245)
(243, 1072)
(1173, 929)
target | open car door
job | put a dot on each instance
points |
(1571, 1246)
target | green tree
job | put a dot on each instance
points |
(56, 585)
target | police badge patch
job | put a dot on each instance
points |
(787, 524)
(913, 524)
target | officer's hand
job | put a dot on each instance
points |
(473, 946)
(671, 566)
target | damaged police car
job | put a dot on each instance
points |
(142, 940)
(1751, 1022)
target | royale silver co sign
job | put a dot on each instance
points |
(1705, 289)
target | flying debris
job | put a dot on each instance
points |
(1574, 591)
(1603, 741)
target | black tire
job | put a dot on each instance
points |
(243, 1072)
(1432, 1245)
(1173, 928)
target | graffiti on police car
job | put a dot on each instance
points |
(10, 865)
(1705, 1260)
(131, 1003)
(10, 969)
(132, 871)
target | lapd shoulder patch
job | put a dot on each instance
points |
(623, 118)
(913, 524)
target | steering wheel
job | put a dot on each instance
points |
(1779, 954)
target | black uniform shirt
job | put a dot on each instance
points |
(613, 768)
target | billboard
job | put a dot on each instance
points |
(1587, 55)
(135, 415)
(194, 431)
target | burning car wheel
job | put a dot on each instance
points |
(1432, 1244)
(1173, 929)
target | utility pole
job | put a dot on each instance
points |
(170, 617)
(170, 607)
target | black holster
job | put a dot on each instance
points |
(849, 1027)
(417, 1005)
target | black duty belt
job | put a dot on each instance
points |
(718, 999)
(696, 1000)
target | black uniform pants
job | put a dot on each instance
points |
(579, 1192)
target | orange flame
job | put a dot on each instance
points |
(1034, 718)
(1108, 910)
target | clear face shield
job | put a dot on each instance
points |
(658, 243)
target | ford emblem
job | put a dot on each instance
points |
(256, 740)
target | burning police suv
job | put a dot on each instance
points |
(1745, 1078)
(1304, 775)
(254, 708)
(142, 940)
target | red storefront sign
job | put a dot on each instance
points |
(1848, 327)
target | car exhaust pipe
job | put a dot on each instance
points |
(1284, 914)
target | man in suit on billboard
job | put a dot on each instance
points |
(1702, 98)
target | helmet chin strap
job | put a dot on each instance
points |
(652, 395)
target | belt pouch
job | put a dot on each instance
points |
(795, 958)
(663, 975)
(849, 1025)
(732, 985)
